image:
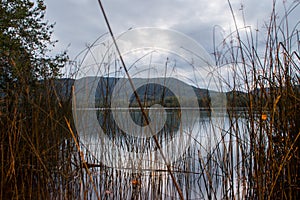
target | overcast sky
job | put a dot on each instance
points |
(80, 22)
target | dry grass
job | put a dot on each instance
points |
(256, 157)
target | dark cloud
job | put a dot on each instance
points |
(80, 22)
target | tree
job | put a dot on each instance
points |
(25, 42)
(30, 119)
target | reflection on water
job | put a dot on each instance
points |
(193, 128)
(115, 133)
(198, 170)
(195, 142)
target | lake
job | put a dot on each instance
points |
(204, 154)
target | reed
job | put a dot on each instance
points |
(269, 75)
(255, 156)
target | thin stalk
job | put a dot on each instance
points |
(139, 102)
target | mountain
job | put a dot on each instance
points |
(149, 94)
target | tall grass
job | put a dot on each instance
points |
(255, 157)
(270, 76)
(35, 148)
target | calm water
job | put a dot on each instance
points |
(198, 144)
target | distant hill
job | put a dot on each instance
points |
(62, 88)
(151, 93)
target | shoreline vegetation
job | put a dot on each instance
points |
(41, 156)
(235, 100)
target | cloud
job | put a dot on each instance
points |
(80, 22)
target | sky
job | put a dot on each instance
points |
(80, 22)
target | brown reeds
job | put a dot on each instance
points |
(36, 152)
(255, 157)
(269, 162)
